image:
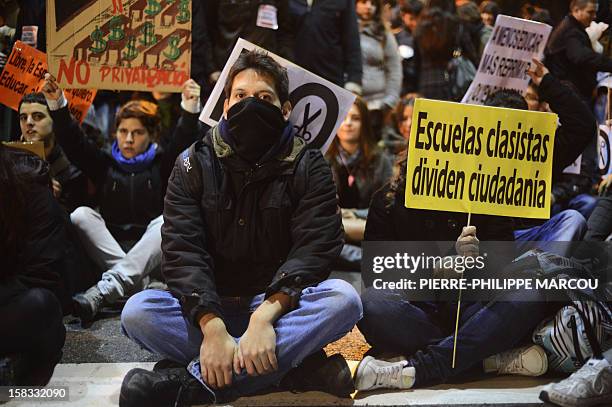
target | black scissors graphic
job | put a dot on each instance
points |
(306, 135)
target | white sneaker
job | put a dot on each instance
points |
(526, 361)
(376, 374)
(591, 385)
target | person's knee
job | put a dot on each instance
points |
(41, 304)
(574, 219)
(346, 300)
(374, 309)
(137, 315)
(42, 310)
(81, 216)
(156, 223)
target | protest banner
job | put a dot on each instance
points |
(35, 147)
(120, 44)
(604, 151)
(476, 159)
(507, 57)
(319, 106)
(24, 73)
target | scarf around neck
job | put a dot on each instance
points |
(135, 164)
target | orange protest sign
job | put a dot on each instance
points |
(24, 73)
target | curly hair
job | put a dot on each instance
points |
(146, 112)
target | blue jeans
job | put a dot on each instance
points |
(424, 331)
(154, 320)
(566, 226)
(583, 203)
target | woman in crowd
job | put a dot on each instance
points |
(436, 36)
(489, 10)
(32, 276)
(359, 168)
(396, 134)
(124, 238)
(382, 68)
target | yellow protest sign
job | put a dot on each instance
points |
(476, 159)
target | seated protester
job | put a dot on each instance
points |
(131, 183)
(396, 134)
(422, 332)
(69, 182)
(34, 261)
(570, 191)
(577, 126)
(251, 229)
(359, 168)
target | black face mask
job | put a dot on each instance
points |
(254, 126)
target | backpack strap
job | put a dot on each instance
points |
(590, 333)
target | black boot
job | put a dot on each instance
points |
(321, 373)
(162, 388)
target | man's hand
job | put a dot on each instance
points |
(57, 188)
(190, 96)
(50, 88)
(190, 90)
(537, 72)
(214, 77)
(257, 349)
(467, 243)
(604, 186)
(217, 354)
(3, 59)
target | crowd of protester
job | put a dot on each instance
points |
(223, 238)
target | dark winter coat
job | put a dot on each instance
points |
(46, 258)
(570, 56)
(577, 129)
(228, 20)
(327, 39)
(243, 231)
(128, 201)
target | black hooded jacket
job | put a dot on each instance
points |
(570, 56)
(45, 260)
(128, 200)
(244, 230)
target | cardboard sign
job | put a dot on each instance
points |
(24, 73)
(319, 106)
(120, 44)
(476, 159)
(507, 57)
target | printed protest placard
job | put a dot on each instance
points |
(476, 159)
(120, 44)
(604, 150)
(507, 57)
(319, 106)
(24, 73)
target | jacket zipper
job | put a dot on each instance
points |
(132, 196)
(239, 203)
